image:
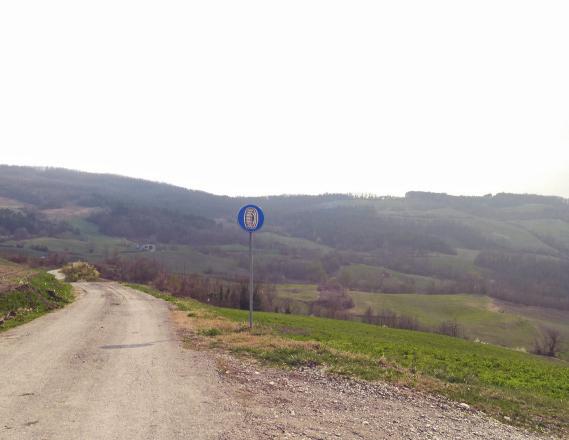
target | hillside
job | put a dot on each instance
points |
(509, 249)
(479, 318)
(504, 383)
(457, 244)
(26, 294)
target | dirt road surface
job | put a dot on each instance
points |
(109, 366)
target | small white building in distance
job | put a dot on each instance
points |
(147, 247)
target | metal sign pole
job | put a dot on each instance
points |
(250, 280)
(251, 219)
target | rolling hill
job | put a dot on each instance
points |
(506, 247)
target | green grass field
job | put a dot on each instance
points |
(533, 391)
(297, 296)
(480, 317)
(476, 314)
(91, 245)
(553, 229)
(461, 263)
(363, 276)
(269, 239)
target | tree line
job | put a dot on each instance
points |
(20, 224)
(214, 291)
(527, 279)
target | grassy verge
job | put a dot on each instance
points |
(36, 295)
(530, 391)
(479, 317)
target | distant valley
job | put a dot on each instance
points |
(497, 266)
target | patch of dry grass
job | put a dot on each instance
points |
(12, 275)
(232, 335)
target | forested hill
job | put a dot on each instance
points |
(508, 245)
(48, 188)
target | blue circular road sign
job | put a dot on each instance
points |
(251, 218)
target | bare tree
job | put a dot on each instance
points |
(369, 316)
(450, 328)
(549, 343)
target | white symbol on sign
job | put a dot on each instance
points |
(251, 219)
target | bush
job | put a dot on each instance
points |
(549, 344)
(80, 271)
(211, 332)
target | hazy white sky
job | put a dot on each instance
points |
(264, 97)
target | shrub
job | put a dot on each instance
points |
(211, 332)
(80, 271)
(549, 343)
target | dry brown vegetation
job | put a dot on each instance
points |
(549, 344)
(199, 324)
(80, 271)
(11, 274)
(9, 203)
(70, 212)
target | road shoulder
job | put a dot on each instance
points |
(308, 402)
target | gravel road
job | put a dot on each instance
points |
(108, 366)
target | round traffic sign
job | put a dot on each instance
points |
(251, 218)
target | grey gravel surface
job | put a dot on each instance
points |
(108, 366)
(310, 404)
